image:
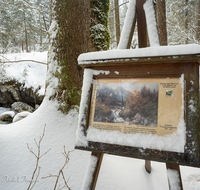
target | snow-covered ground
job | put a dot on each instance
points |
(17, 162)
(33, 74)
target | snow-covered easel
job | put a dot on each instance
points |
(175, 68)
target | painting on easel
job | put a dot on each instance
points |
(137, 105)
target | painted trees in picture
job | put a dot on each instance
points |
(127, 103)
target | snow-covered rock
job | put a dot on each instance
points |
(20, 106)
(21, 115)
(7, 116)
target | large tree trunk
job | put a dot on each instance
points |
(161, 21)
(64, 80)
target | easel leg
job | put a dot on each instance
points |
(175, 168)
(148, 166)
(97, 169)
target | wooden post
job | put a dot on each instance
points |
(97, 169)
(117, 21)
(148, 166)
(176, 168)
(141, 24)
(142, 40)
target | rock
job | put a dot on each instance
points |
(13, 91)
(138, 117)
(134, 122)
(21, 115)
(20, 106)
(146, 122)
(127, 119)
(7, 116)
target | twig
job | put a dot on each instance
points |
(38, 156)
(66, 155)
(25, 61)
(119, 6)
(5, 57)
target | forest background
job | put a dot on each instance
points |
(25, 24)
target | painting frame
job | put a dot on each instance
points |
(189, 71)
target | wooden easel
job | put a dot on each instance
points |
(143, 42)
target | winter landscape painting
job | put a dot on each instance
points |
(127, 103)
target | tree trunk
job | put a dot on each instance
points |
(161, 21)
(25, 32)
(71, 39)
(117, 21)
(198, 22)
(99, 33)
(186, 21)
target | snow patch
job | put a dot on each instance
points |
(90, 171)
(11, 113)
(139, 53)
(151, 23)
(87, 82)
(21, 115)
(128, 23)
(31, 74)
(173, 178)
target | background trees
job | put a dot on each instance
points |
(24, 25)
(182, 20)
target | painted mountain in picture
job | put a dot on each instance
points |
(127, 103)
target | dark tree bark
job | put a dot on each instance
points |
(72, 39)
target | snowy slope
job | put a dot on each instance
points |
(33, 74)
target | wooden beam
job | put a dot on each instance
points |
(141, 24)
(148, 166)
(176, 168)
(97, 169)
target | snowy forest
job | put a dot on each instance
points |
(41, 86)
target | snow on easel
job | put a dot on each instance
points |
(171, 138)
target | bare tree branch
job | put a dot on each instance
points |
(119, 5)
(24, 61)
(66, 155)
(38, 156)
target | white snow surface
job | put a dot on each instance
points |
(139, 53)
(21, 115)
(32, 74)
(17, 163)
(151, 23)
(87, 82)
(11, 113)
(173, 178)
(128, 23)
(2, 110)
(90, 171)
